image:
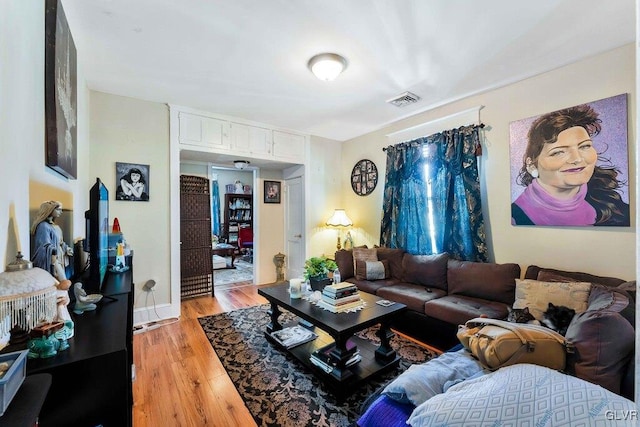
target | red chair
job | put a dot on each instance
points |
(245, 242)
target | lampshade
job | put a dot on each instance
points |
(28, 297)
(241, 164)
(327, 66)
(339, 219)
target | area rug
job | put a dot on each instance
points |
(242, 273)
(277, 389)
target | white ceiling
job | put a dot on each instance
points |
(247, 58)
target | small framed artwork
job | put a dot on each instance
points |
(132, 182)
(272, 191)
(60, 92)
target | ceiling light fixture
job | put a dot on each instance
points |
(241, 164)
(327, 66)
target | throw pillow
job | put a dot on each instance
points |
(537, 295)
(376, 270)
(603, 338)
(363, 255)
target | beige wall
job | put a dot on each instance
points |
(133, 131)
(605, 250)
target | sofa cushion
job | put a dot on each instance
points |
(344, 261)
(370, 286)
(495, 282)
(376, 270)
(394, 256)
(457, 309)
(426, 270)
(603, 337)
(413, 296)
(537, 295)
(363, 254)
(533, 271)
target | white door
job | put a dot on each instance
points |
(294, 227)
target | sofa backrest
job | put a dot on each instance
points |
(494, 282)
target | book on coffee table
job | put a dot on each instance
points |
(293, 336)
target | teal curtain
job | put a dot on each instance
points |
(215, 208)
(432, 196)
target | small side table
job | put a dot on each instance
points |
(26, 404)
(225, 249)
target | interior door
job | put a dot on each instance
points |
(294, 227)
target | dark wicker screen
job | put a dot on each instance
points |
(196, 264)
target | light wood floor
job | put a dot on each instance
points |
(179, 379)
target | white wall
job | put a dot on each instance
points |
(601, 250)
(22, 131)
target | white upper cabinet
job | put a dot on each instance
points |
(289, 146)
(251, 140)
(202, 131)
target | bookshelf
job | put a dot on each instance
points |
(238, 213)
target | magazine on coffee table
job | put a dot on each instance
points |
(293, 336)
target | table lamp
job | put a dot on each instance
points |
(28, 297)
(339, 219)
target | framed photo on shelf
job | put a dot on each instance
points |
(272, 191)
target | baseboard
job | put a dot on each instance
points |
(149, 314)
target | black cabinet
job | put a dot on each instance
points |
(91, 382)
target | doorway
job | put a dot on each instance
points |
(231, 210)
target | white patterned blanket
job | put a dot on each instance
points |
(526, 396)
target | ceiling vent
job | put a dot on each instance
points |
(404, 99)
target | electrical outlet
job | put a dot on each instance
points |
(148, 286)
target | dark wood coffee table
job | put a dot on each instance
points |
(224, 250)
(338, 328)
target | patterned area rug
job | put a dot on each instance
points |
(242, 273)
(277, 389)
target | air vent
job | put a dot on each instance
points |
(404, 99)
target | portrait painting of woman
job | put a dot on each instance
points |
(570, 167)
(132, 182)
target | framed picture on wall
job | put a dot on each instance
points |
(569, 167)
(60, 92)
(272, 191)
(132, 182)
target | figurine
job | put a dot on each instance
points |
(51, 252)
(84, 302)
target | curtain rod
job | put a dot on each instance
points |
(481, 126)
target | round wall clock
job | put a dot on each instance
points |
(364, 177)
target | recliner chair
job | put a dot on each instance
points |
(245, 242)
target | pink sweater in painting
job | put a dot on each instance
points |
(544, 209)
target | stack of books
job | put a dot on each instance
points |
(293, 336)
(322, 357)
(340, 297)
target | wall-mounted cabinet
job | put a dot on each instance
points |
(202, 132)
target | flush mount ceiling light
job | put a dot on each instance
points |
(327, 66)
(241, 164)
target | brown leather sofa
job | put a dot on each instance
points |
(442, 293)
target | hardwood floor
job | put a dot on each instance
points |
(179, 379)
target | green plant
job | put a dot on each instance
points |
(318, 267)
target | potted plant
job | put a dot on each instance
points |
(316, 271)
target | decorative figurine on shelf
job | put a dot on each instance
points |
(84, 302)
(43, 343)
(239, 187)
(348, 241)
(51, 252)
